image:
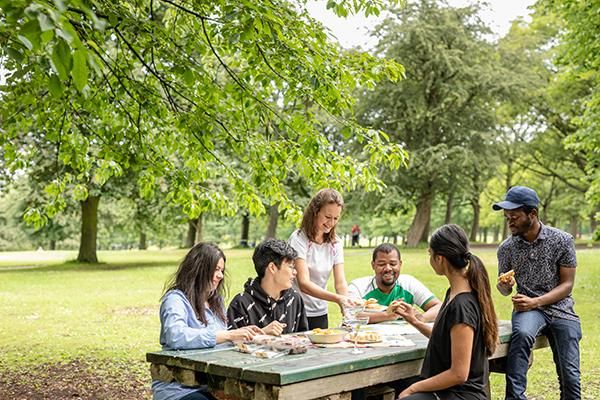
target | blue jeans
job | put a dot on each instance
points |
(563, 335)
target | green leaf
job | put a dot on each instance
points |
(80, 192)
(30, 35)
(61, 59)
(55, 86)
(46, 23)
(80, 71)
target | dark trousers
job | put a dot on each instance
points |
(322, 321)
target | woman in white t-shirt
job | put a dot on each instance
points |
(320, 251)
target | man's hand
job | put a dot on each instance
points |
(524, 303)
(275, 328)
(506, 282)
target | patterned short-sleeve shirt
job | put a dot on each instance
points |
(537, 266)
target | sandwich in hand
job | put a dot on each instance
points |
(507, 277)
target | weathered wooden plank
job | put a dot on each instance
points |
(332, 384)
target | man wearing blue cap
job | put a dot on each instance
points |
(543, 261)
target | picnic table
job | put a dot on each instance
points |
(320, 373)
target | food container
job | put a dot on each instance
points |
(326, 336)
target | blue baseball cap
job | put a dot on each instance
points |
(517, 197)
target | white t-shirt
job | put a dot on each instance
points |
(408, 288)
(320, 259)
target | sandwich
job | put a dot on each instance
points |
(506, 277)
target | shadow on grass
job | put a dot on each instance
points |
(101, 266)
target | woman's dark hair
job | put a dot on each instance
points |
(194, 278)
(321, 199)
(451, 242)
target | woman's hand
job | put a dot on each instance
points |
(275, 328)
(406, 311)
(245, 333)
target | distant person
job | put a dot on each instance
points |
(465, 331)
(355, 235)
(192, 314)
(543, 262)
(269, 301)
(320, 252)
(388, 285)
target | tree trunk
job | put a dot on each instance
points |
(191, 234)
(52, 244)
(449, 205)
(425, 234)
(421, 220)
(485, 235)
(245, 229)
(199, 237)
(89, 230)
(476, 213)
(143, 245)
(508, 185)
(593, 222)
(573, 226)
(496, 232)
(273, 220)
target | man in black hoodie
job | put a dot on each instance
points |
(269, 301)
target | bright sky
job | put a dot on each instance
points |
(352, 31)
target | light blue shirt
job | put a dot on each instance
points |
(181, 330)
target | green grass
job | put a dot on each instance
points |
(63, 311)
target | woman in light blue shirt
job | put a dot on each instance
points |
(192, 315)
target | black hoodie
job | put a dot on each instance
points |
(254, 307)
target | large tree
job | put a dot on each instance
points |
(441, 108)
(181, 92)
(579, 61)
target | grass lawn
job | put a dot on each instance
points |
(57, 312)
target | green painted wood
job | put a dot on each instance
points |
(316, 363)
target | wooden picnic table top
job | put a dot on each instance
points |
(224, 361)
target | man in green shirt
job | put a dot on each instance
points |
(388, 285)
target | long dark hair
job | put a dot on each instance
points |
(194, 278)
(451, 242)
(322, 198)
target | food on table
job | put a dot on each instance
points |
(243, 347)
(507, 277)
(319, 331)
(263, 339)
(364, 337)
(324, 336)
(372, 304)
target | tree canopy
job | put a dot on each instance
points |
(184, 93)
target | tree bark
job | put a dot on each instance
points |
(449, 205)
(143, 245)
(52, 244)
(191, 234)
(273, 220)
(509, 176)
(421, 220)
(476, 213)
(573, 226)
(89, 230)
(593, 222)
(496, 239)
(199, 236)
(245, 229)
